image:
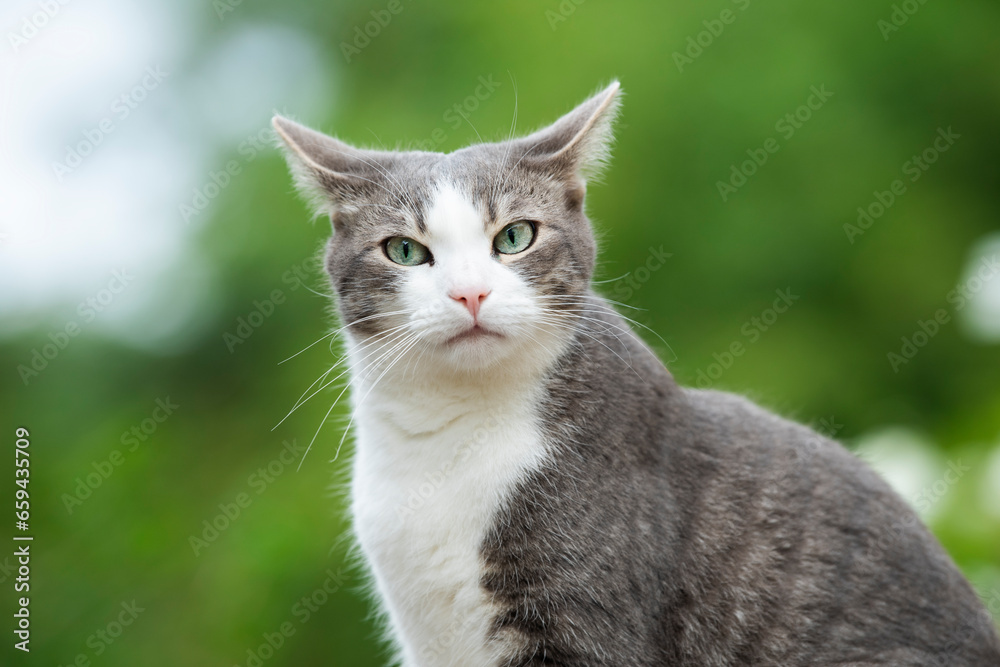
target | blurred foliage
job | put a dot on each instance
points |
(680, 132)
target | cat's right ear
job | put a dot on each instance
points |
(330, 174)
(578, 144)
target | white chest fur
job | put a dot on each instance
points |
(430, 474)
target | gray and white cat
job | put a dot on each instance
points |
(530, 485)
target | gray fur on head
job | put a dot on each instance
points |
(371, 195)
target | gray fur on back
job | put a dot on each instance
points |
(689, 527)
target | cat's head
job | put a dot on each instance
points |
(469, 259)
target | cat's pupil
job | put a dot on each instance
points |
(511, 234)
(406, 250)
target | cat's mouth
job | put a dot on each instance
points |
(473, 333)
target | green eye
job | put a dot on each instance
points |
(515, 237)
(406, 251)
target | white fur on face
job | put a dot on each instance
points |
(462, 248)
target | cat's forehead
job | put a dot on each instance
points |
(453, 214)
(476, 170)
(447, 192)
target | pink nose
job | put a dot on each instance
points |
(470, 297)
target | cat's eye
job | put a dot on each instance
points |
(406, 251)
(515, 237)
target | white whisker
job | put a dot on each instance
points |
(409, 345)
(367, 344)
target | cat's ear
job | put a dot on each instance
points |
(579, 143)
(329, 173)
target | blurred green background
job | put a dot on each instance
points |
(186, 195)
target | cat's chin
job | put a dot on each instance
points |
(496, 352)
(477, 348)
(473, 335)
(474, 352)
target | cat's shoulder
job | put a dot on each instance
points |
(739, 424)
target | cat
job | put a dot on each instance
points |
(531, 487)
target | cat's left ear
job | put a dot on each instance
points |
(331, 174)
(578, 144)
